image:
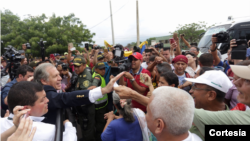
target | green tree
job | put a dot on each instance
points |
(192, 31)
(7, 21)
(57, 31)
(149, 40)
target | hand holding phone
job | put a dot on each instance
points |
(52, 57)
(72, 49)
(145, 79)
(171, 41)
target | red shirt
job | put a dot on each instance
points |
(91, 65)
(137, 79)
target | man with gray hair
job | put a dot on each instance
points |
(169, 115)
(49, 77)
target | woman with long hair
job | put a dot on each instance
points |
(129, 125)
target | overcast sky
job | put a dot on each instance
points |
(156, 17)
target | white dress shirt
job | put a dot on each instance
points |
(44, 131)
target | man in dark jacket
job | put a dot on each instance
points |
(48, 75)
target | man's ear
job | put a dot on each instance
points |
(212, 95)
(20, 76)
(43, 82)
(159, 123)
(173, 85)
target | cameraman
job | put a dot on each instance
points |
(23, 73)
(132, 78)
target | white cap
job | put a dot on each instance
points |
(214, 78)
(241, 71)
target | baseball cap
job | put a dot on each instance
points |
(78, 61)
(32, 64)
(99, 57)
(57, 54)
(180, 58)
(214, 78)
(100, 65)
(241, 71)
(65, 53)
(136, 55)
(63, 57)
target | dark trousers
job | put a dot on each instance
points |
(88, 133)
(100, 122)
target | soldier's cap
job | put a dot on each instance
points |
(100, 65)
(100, 57)
(78, 61)
(63, 57)
(32, 64)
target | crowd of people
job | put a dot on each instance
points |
(165, 94)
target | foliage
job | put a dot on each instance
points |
(57, 31)
(149, 40)
(192, 31)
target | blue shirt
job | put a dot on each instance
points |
(227, 66)
(120, 130)
(5, 92)
(248, 52)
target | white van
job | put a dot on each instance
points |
(237, 28)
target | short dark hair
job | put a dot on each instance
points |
(163, 67)
(204, 69)
(219, 94)
(23, 93)
(171, 78)
(23, 69)
(152, 58)
(195, 48)
(206, 59)
(194, 56)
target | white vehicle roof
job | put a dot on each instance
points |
(234, 21)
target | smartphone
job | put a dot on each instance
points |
(52, 57)
(72, 49)
(142, 79)
(87, 46)
(171, 40)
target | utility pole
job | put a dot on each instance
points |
(137, 22)
(112, 28)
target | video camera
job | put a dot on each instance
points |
(28, 46)
(222, 37)
(159, 45)
(97, 47)
(137, 49)
(123, 64)
(239, 52)
(42, 45)
(118, 51)
(14, 58)
(64, 66)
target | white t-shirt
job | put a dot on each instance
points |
(144, 65)
(192, 72)
(192, 137)
(181, 79)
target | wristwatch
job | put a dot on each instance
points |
(132, 80)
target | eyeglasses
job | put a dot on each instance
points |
(195, 88)
(239, 79)
(192, 50)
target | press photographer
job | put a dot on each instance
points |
(131, 79)
(22, 74)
